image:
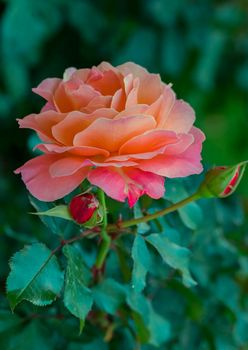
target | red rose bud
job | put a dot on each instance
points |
(82, 207)
(221, 181)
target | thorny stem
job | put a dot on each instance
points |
(149, 217)
(106, 240)
(105, 228)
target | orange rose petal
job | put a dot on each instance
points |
(65, 131)
(149, 141)
(163, 106)
(35, 173)
(81, 74)
(136, 70)
(178, 165)
(118, 100)
(75, 122)
(180, 118)
(127, 183)
(80, 151)
(67, 166)
(107, 83)
(132, 97)
(150, 89)
(110, 134)
(73, 95)
(131, 111)
(42, 123)
(128, 83)
(105, 66)
(97, 103)
(184, 141)
(47, 88)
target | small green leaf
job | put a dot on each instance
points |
(57, 225)
(151, 327)
(191, 215)
(109, 295)
(77, 297)
(159, 328)
(141, 263)
(81, 326)
(174, 255)
(60, 211)
(140, 313)
(35, 276)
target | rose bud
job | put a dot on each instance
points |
(221, 181)
(82, 207)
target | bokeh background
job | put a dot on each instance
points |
(199, 46)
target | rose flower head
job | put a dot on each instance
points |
(120, 127)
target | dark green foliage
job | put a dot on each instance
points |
(159, 304)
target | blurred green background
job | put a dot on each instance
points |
(200, 46)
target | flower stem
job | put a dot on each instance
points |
(106, 240)
(149, 217)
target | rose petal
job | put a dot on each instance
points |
(35, 174)
(67, 166)
(150, 89)
(75, 122)
(131, 111)
(73, 95)
(132, 97)
(180, 118)
(148, 142)
(80, 151)
(47, 88)
(133, 68)
(97, 103)
(110, 134)
(178, 165)
(162, 107)
(144, 183)
(128, 183)
(107, 83)
(118, 100)
(42, 123)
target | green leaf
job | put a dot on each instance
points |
(60, 211)
(77, 297)
(109, 295)
(151, 327)
(35, 276)
(191, 214)
(140, 313)
(141, 263)
(159, 327)
(55, 224)
(174, 255)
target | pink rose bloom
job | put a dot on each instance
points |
(119, 127)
